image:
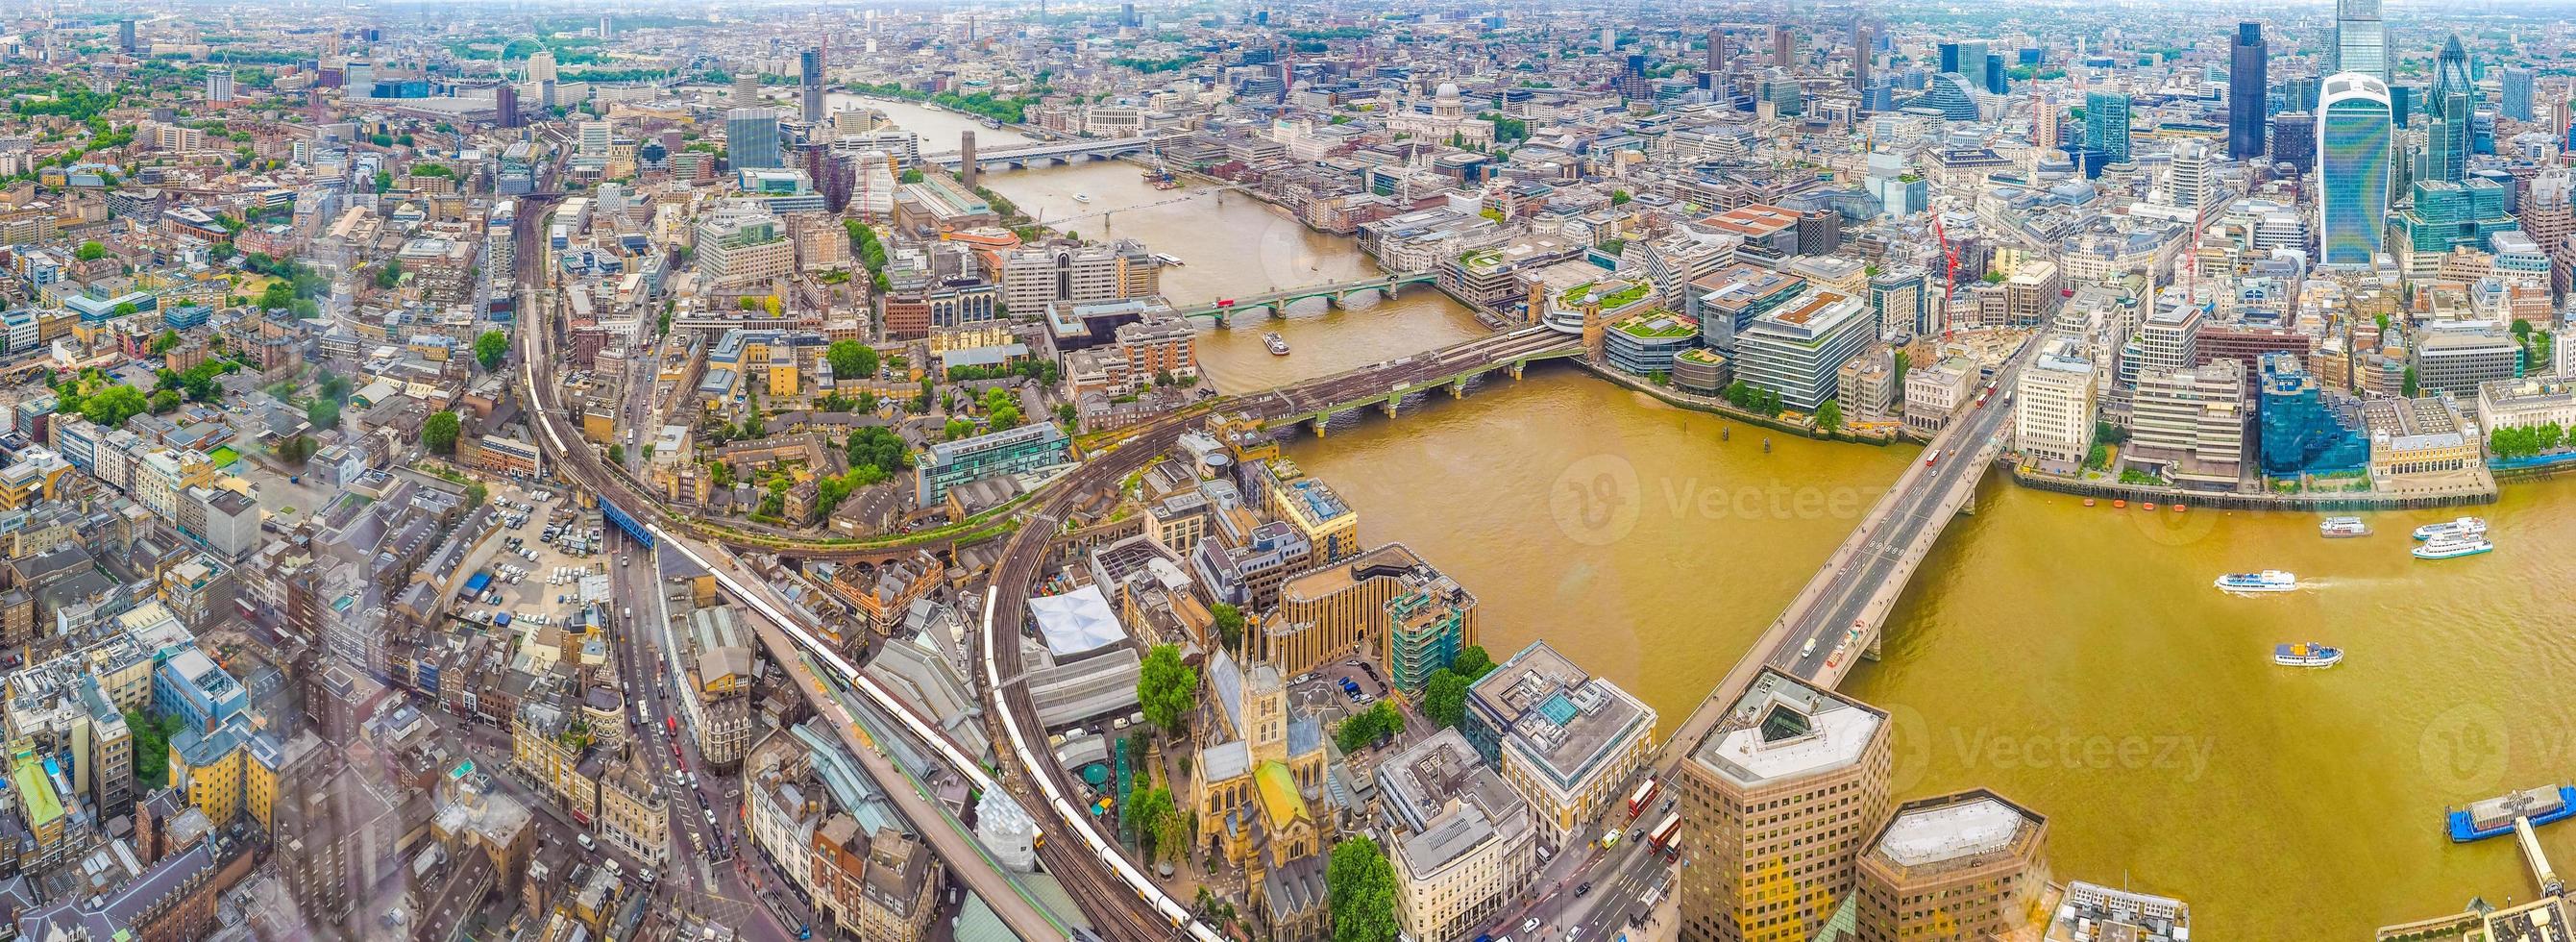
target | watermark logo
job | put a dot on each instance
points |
(2465, 749)
(2169, 526)
(1596, 500)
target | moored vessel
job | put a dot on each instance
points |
(2465, 526)
(2338, 528)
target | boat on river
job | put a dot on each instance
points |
(2465, 526)
(2269, 580)
(1277, 344)
(2308, 654)
(2342, 528)
(2453, 547)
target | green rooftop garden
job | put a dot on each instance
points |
(1656, 324)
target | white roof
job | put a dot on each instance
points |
(1076, 622)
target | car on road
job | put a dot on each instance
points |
(1584, 890)
(584, 840)
(1530, 924)
(1808, 649)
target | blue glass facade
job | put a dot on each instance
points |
(2352, 169)
(2106, 125)
(2301, 435)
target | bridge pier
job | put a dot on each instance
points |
(1517, 367)
(1323, 422)
(1391, 405)
(1458, 388)
(1876, 640)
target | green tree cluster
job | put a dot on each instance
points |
(851, 359)
(491, 349)
(1744, 396)
(441, 431)
(1368, 726)
(1229, 623)
(1359, 888)
(1167, 689)
(2527, 441)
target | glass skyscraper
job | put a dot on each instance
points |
(2515, 100)
(751, 137)
(2352, 168)
(2301, 435)
(2106, 125)
(2247, 87)
(2361, 39)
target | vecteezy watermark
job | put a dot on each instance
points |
(1595, 500)
(2070, 751)
(2465, 749)
(1598, 500)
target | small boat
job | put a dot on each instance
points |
(1168, 258)
(2465, 526)
(1082, 197)
(2088, 502)
(2120, 505)
(1278, 346)
(2340, 528)
(2150, 506)
(2310, 654)
(2269, 580)
(2453, 547)
(1766, 446)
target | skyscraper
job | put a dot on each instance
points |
(1777, 802)
(2361, 40)
(2451, 74)
(2247, 85)
(746, 89)
(2188, 183)
(1995, 72)
(2106, 125)
(2515, 101)
(1716, 51)
(505, 105)
(809, 67)
(1784, 46)
(219, 87)
(541, 66)
(2447, 142)
(125, 37)
(2294, 139)
(751, 137)
(2352, 167)
(1966, 57)
(1861, 54)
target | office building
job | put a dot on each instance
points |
(1463, 844)
(2089, 911)
(2053, 404)
(2190, 184)
(2106, 125)
(1341, 610)
(2451, 72)
(219, 87)
(2513, 100)
(125, 41)
(2447, 215)
(2248, 90)
(2191, 422)
(1949, 94)
(1716, 53)
(966, 460)
(2353, 138)
(2294, 140)
(741, 243)
(541, 69)
(2455, 361)
(1776, 802)
(2361, 40)
(1327, 522)
(2528, 402)
(2449, 141)
(2302, 433)
(809, 72)
(751, 138)
(1036, 278)
(2418, 436)
(1565, 740)
(2169, 339)
(1969, 865)
(1798, 350)
(746, 89)
(1646, 343)
(1966, 57)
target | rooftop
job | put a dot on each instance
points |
(1955, 832)
(1564, 721)
(1657, 324)
(1784, 728)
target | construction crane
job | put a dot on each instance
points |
(1949, 270)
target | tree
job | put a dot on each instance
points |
(616, 453)
(2410, 380)
(1620, 197)
(1368, 726)
(323, 412)
(168, 340)
(1472, 663)
(2522, 330)
(90, 252)
(959, 428)
(164, 400)
(110, 407)
(1167, 688)
(296, 450)
(876, 447)
(1444, 697)
(851, 359)
(1359, 888)
(491, 348)
(1229, 623)
(1830, 415)
(441, 431)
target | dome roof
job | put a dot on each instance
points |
(1448, 90)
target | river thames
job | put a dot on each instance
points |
(2073, 659)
